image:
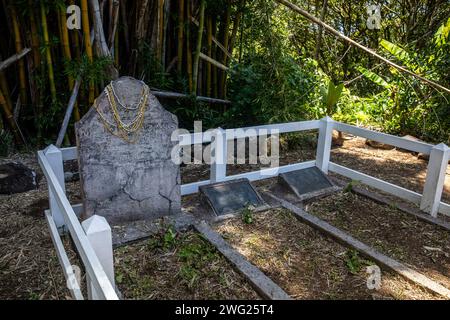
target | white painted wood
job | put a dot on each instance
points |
(85, 250)
(444, 208)
(376, 183)
(395, 141)
(271, 172)
(70, 153)
(99, 235)
(324, 143)
(72, 282)
(192, 188)
(219, 153)
(434, 184)
(246, 132)
(78, 209)
(55, 160)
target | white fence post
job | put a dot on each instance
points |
(324, 143)
(434, 184)
(99, 235)
(55, 159)
(219, 155)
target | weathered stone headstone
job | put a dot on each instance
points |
(125, 181)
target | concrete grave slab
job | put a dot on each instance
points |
(307, 183)
(231, 196)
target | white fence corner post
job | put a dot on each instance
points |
(99, 235)
(434, 184)
(219, 156)
(55, 159)
(324, 144)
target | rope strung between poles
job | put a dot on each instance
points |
(356, 44)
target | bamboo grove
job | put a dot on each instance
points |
(229, 63)
(190, 40)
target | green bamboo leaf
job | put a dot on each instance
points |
(396, 51)
(374, 77)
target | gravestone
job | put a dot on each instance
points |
(307, 183)
(128, 181)
(231, 196)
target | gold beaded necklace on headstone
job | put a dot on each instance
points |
(126, 131)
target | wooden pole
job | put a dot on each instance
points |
(18, 44)
(10, 119)
(199, 47)
(330, 29)
(72, 102)
(174, 95)
(87, 44)
(6, 63)
(180, 35)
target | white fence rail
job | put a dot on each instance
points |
(64, 217)
(94, 241)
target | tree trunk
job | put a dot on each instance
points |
(21, 63)
(199, 47)
(48, 55)
(87, 45)
(180, 35)
(188, 46)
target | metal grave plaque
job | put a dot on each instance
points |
(306, 183)
(231, 196)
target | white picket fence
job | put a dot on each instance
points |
(92, 238)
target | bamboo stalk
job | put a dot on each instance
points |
(123, 14)
(10, 118)
(18, 56)
(236, 25)
(209, 46)
(48, 55)
(199, 47)
(188, 46)
(114, 22)
(174, 95)
(70, 107)
(19, 48)
(226, 38)
(75, 40)
(116, 49)
(100, 40)
(213, 62)
(214, 56)
(68, 56)
(214, 39)
(87, 44)
(5, 88)
(34, 36)
(180, 35)
(159, 42)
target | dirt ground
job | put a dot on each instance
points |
(306, 264)
(174, 265)
(395, 166)
(28, 265)
(420, 245)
